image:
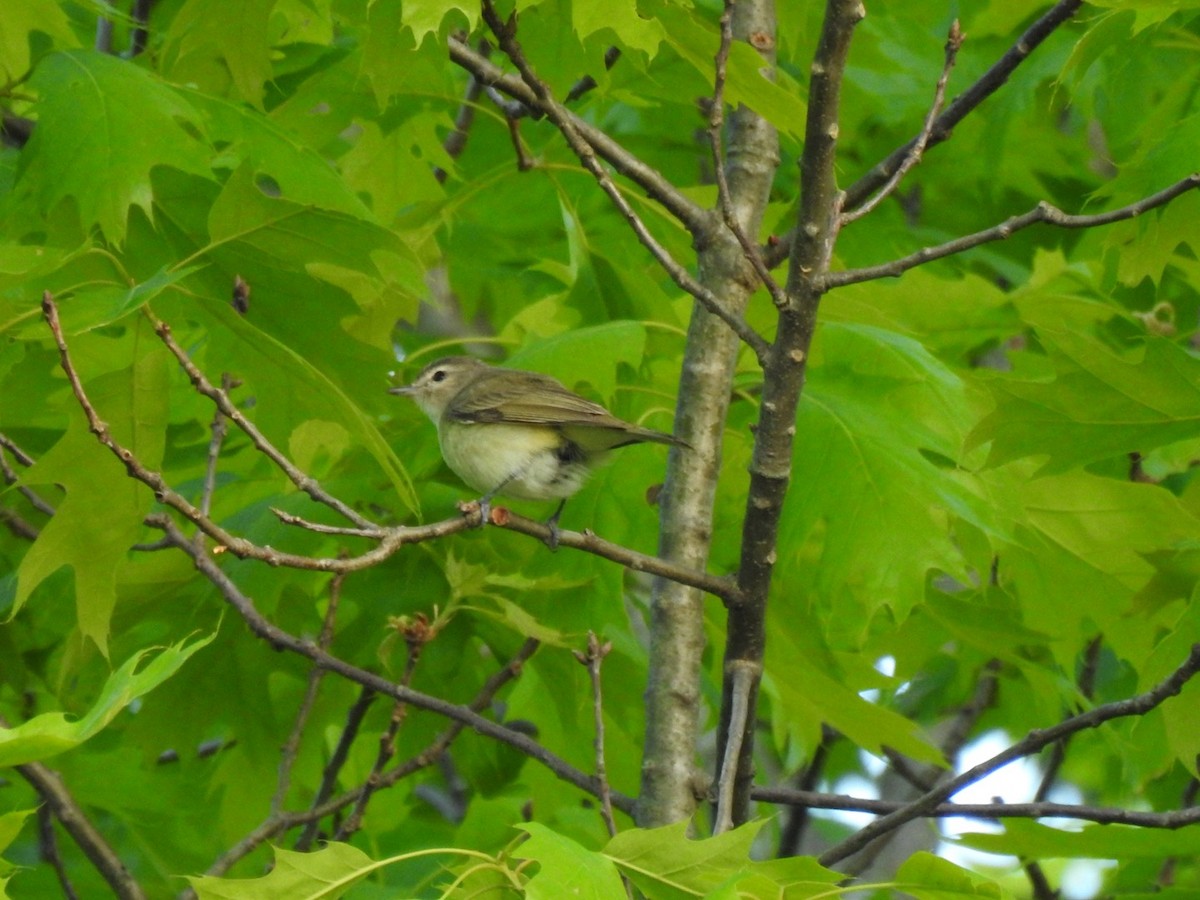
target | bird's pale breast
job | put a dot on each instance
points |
(530, 461)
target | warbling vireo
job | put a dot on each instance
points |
(518, 434)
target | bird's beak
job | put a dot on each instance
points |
(403, 390)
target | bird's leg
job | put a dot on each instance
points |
(552, 524)
(485, 502)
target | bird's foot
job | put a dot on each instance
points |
(552, 524)
(483, 505)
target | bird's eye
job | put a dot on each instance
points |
(439, 375)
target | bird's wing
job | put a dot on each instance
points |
(499, 400)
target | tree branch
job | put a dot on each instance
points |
(283, 640)
(961, 106)
(656, 186)
(329, 777)
(670, 783)
(291, 747)
(592, 660)
(65, 808)
(456, 141)
(587, 154)
(783, 382)
(716, 119)
(312, 816)
(1033, 742)
(10, 476)
(390, 540)
(966, 102)
(417, 633)
(1103, 815)
(1043, 213)
(303, 481)
(953, 42)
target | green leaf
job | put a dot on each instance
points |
(778, 101)
(1033, 841)
(221, 47)
(793, 878)
(261, 144)
(665, 865)
(567, 869)
(1101, 403)
(396, 169)
(1088, 536)
(49, 734)
(928, 877)
(19, 24)
(101, 514)
(11, 824)
(882, 424)
(633, 30)
(103, 124)
(586, 355)
(326, 873)
(812, 691)
(426, 16)
(91, 309)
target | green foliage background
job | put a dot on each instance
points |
(977, 412)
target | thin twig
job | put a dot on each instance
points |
(140, 15)
(716, 121)
(1058, 754)
(10, 476)
(745, 675)
(953, 42)
(311, 817)
(18, 526)
(291, 747)
(1100, 814)
(456, 141)
(104, 34)
(218, 428)
(303, 481)
(926, 778)
(587, 541)
(75, 821)
(1032, 743)
(1044, 213)
(283, 640)
(587, 154)
(592, 659)
(587, 82)
(655, 185)
(18, 454)
(1166, 875)
(958, 109)
(417, 633)
(333, 768)
(48, 851)
(511, 109)
(719, 586)
(797, 820)
(390, 540)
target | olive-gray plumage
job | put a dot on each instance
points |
(518, 434)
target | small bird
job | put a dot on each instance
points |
(518, 434)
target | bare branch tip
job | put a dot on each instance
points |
(954, 39)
